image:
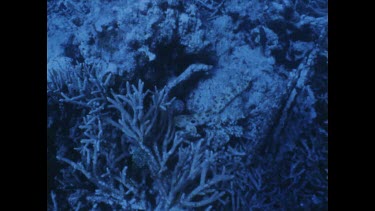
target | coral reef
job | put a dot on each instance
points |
(187, 105)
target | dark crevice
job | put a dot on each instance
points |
(171, 60)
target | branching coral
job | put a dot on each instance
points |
(182, 172)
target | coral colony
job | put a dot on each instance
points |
(187, 105)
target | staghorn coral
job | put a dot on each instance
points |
(158, 153)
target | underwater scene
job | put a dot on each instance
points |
(187, 105)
